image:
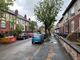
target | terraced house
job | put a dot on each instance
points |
(70, 22)
(9, 19)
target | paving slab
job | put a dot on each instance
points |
(60, 52)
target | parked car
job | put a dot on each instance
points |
(30, 34)
(22, 36)
(37, 38)
(8, 39)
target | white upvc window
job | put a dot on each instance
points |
(72, 10)
(79, 24)
(72, 26)
(66, 16)
(7, 17)
(3, 24)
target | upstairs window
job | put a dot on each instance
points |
(72, 11)
(66, 16)
(7, 16)
(79, 24)
(72, 26)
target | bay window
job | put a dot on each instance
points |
(3, 24)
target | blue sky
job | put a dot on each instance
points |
(27, 7)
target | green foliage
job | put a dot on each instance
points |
(33, 25)
(18, 30)
(4, 5)
(47, 11)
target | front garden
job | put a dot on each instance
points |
(11, 37)
(72, 37)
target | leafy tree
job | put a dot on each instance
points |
(33, 25)
(47, 11)
(41, 29)
(18, 30)
(4, 5)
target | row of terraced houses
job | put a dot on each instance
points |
(70, 21)
(10, 19)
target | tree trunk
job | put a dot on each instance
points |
(49, 32)
(46, 31)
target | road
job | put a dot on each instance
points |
(21, 50)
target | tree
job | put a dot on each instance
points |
(41, 29)
(47, 11)
(4, 5)
(33, 25)
(18, 30)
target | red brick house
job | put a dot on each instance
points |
(71, 18)
(9, 19)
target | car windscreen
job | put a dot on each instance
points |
(36, 35)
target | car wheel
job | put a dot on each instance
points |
(32, 42)
(23, 38)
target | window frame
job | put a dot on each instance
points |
(3, 27)
(72, 26)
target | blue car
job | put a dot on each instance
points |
(37, 38)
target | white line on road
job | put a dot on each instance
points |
(36, 52)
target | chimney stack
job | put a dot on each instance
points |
(16, 12)
(25, 16)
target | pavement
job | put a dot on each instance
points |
(52, 51)
(59, 51)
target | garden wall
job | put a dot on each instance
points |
(72, 49)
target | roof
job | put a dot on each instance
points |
(60, 19)
(13, 13)
(8, 11)
(19, 16)
(69, 6)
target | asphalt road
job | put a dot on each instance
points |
(21, 50)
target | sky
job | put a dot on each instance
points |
(27, 7)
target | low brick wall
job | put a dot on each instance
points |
(73, 50)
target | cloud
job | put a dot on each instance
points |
(25, 6)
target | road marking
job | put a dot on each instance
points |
(55, 42)
(51, 53)
(36, 52)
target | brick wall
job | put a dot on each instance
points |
(76, 23)
(61, 29)
(7, 29)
